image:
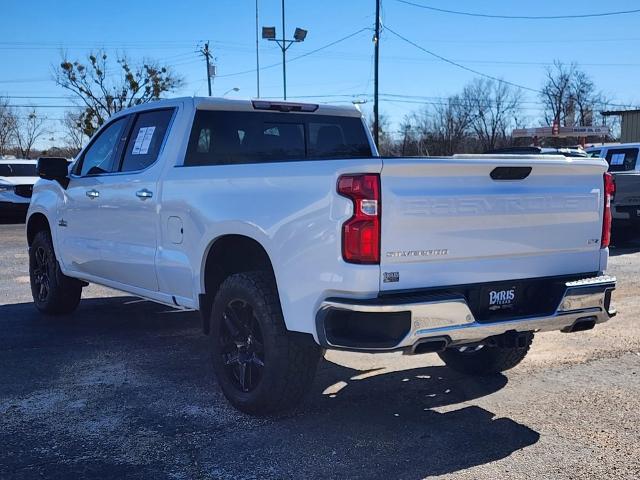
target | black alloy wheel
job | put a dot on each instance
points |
(242, 345)
(53, 292)
(41, 273)
(261, 367)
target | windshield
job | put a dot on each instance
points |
(18, 170)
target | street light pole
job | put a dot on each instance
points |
(284, 56)
(376, 39)
(257, 55)
(269, 33)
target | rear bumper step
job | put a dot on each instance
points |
(431, 325)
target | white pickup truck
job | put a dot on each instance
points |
(282, 225)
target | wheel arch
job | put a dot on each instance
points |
(225, 256)
(37, 222)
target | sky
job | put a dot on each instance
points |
(35, 34)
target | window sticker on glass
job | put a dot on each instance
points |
(143, 140)
(617, 159)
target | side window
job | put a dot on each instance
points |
(145, 140)
(100, 156)
(594, 154)
(622, 159)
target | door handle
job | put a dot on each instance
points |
(144, 194)
(93, 194)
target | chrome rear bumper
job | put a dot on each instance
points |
(585, 300)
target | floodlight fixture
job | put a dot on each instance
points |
(269, 33)
(300, 34)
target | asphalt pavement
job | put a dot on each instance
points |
(123, 388)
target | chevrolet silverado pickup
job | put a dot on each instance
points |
(283, 226)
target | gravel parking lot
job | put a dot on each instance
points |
(123, 388)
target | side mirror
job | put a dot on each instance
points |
(54, 168)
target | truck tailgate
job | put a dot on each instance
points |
(446, 221)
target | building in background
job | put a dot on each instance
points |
(630, 124)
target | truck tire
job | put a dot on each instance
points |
(261, 367)
(53, 292)
(484, 360)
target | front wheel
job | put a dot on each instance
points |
(53, 292)
(485, 359)
(261, 367)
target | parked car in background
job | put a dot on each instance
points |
(16, 185)
(283, 226)
(623, 164)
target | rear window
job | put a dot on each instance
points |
(622, 159)
(226, 138)
(18, 170)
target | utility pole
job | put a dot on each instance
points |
(257, 55)
(376, 39)
(284, 56)
(207, 56)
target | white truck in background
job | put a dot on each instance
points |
(280, 223)
(17, 177)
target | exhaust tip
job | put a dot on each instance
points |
(429, 345)
(581, 325)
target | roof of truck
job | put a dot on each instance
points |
(217, 103)
(17, 161)
(613, 145)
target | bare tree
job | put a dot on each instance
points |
(557, 92)
(101, 92)
(385, 138)
(493, 107)
(448, 124)
(27, 130)
(73, 131)
(8, 119)
(410, 139)
(569, 96)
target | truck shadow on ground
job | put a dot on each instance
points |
(624, 242)
(12, 220)
(123, 387)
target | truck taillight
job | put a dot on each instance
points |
(361, 233)
(609, 190)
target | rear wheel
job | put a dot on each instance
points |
(52, 291)
(261, 367)
(485, 359)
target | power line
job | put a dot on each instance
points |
(521, 17)
(299, 56)
(444, 59)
